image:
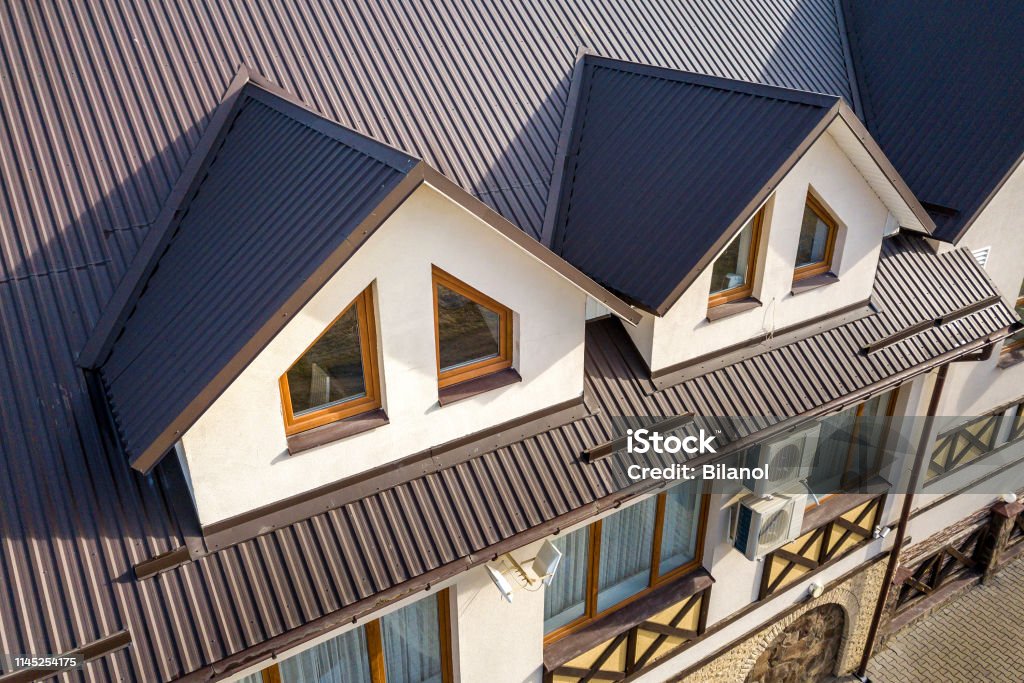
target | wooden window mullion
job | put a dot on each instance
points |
(444, 625)
(375, 651)
(594, 565)
(659, 524)
(477, 368)
(747, 288)
(367, 328)
(823, 266)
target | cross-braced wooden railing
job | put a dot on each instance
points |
(949, 563)
(819, 546)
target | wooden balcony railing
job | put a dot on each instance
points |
(951, 562)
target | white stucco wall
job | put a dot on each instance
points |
(737, 579)
(975, 388)
(236, 452)
(684, 332)
(500, 642)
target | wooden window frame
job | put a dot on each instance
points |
(1016, 344)
(655, 580)
(371, 374)
(825, 265)
(375, 647)
(747, 288)
(487, 366)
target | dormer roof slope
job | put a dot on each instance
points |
(664, 167)
(273, 195)
(941, 91)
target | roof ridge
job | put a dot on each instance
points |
(791, 95)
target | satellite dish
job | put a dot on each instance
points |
(504, 587)
(546, 563)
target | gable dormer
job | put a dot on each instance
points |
(727, 211)
(316, 305)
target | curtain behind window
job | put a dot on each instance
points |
(850, 447)
(627, 540)
(412, 644)
(829, 464)
(565, 596)
(679, 530)
(339, 660)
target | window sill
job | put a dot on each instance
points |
(839, 504)
(480, 385)
(610, 625)
(732, 308)
(1008, 359)
(335, 431)
(813, 282)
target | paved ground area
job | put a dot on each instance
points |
(976, 637)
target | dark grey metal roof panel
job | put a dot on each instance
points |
(942, 94)
(283, 189)
(663, 164)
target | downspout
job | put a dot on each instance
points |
(901, 529)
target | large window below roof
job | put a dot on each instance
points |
(851, 446)
(732, 274)
(817, 241)
(473, 331)
(336, 377)
(622, 556)
(410, 645)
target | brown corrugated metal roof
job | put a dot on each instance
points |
(74, 528)
(253, 237)
(662, 164)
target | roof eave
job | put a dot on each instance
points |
(873, 149)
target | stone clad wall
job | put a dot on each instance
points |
(855, 597)
(806, 651)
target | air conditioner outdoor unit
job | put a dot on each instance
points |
(787, 460)
(766, 524)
